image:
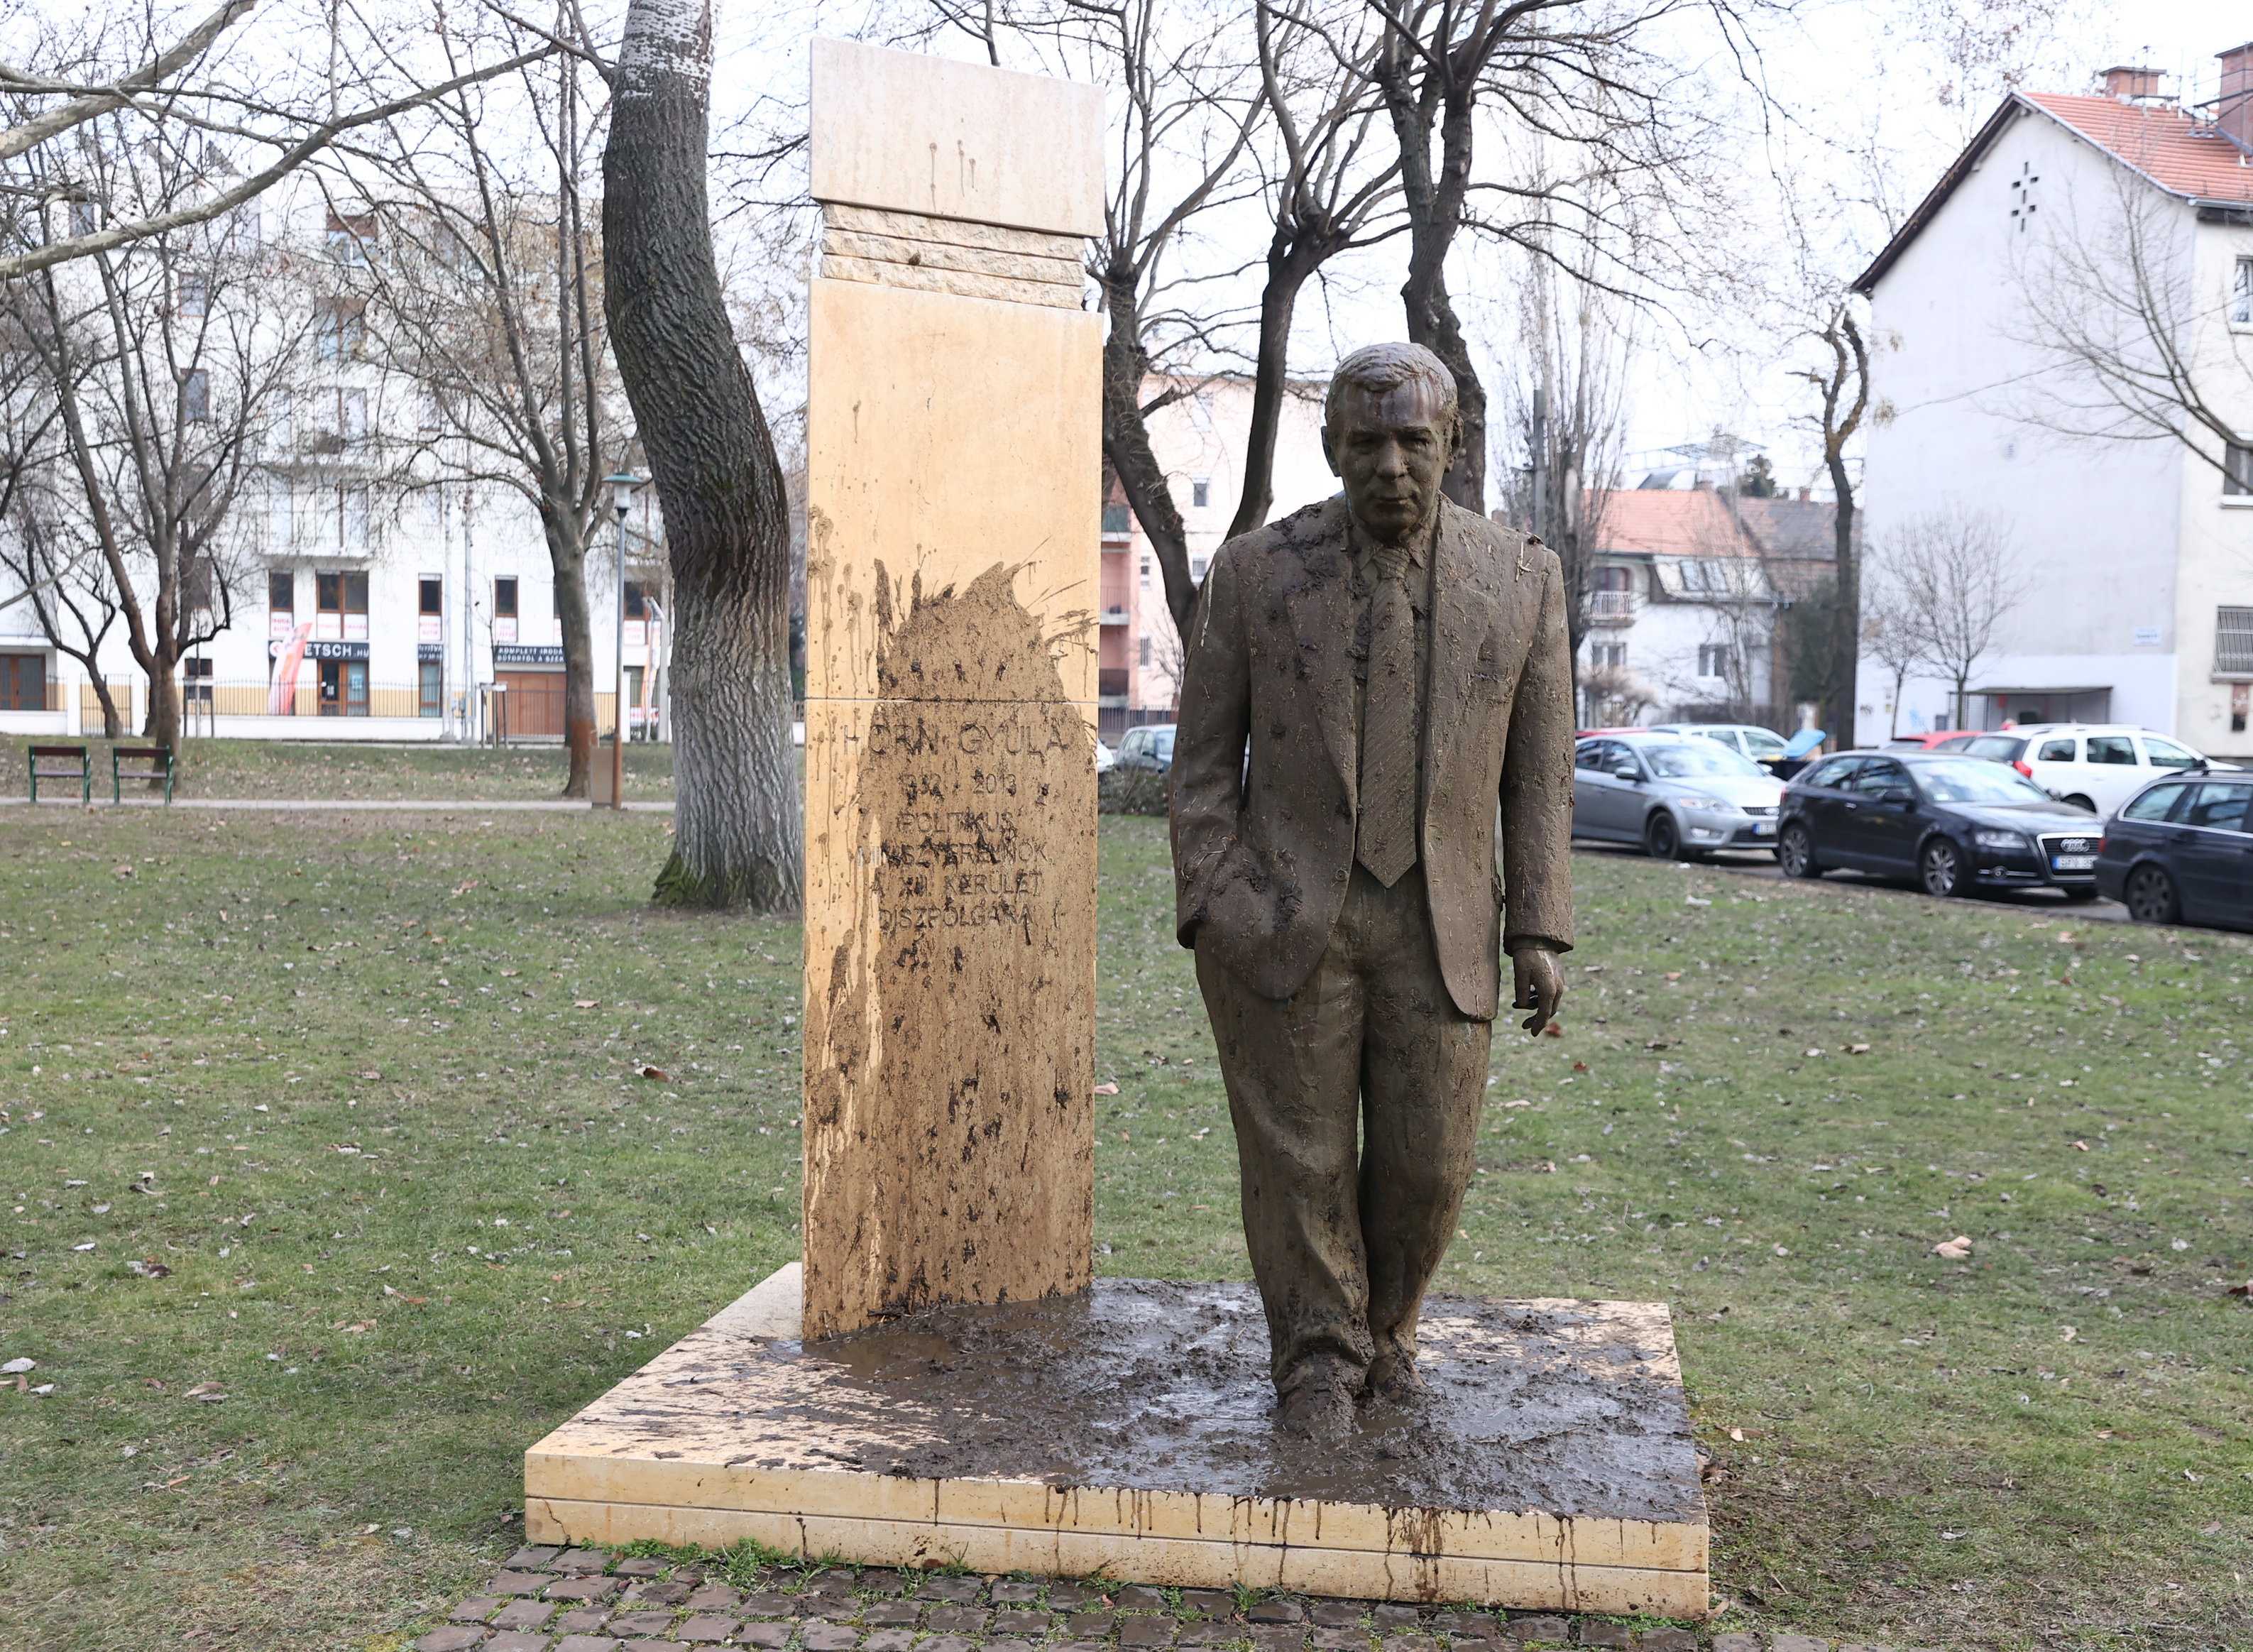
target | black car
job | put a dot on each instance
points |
(2181, 851)
(1955, 824)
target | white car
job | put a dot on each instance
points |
(2098, 766)
(1762, 745)
(1105, 759)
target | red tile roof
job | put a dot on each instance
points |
(1670, 522)
(2179, 154)
(2185, 156)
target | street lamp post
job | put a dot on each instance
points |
(622, 486)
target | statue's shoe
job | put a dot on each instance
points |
(1396, 1382)
(1316, 1410)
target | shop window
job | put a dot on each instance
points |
(340, 607)
(196, 686)
(429, 688)
(344, 687)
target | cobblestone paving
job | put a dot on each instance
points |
(584, 1601)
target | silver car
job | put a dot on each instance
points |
(1680, 798)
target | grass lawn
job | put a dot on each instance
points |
(369, 1087)
(289, 770)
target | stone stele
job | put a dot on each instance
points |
(1131, 1429)
(954, 438)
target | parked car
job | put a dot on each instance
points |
(1956, 823)
(1747, 740)
(1150, 747)
(2098, 768)
(1942, 740)
(1677, 797)
(2181, 851)
(1105, 759)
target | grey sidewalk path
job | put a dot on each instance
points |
(350, 805)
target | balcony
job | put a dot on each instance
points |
(1118, 528)
(1611, 608)
(1111, 685)
(1115, 617)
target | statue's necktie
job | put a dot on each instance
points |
(1386, 834)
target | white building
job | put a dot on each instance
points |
(2139, 554)
(1688, 598)
(371, 599)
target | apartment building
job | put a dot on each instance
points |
(1200, 440)
(356, 586)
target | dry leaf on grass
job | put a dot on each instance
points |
(1955, 1248)
(1107, 1090)
(206, 1390)
(647, 1071)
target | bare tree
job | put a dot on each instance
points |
(738, 836)
(112, 67)
(1566, 419)
(1576, 81)
(1841, 380)
(156, 368)
(1891, 635)
(486, 293)
(1327, 195)
(2131, 350)
(1955, 580)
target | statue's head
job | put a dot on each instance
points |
(1390, 430)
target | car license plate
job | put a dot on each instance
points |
(1761, 828)
(2072, 862)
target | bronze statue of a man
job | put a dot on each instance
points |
(1373, 683)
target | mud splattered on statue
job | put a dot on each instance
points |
(954, 990)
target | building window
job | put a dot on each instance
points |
(281, 604)
(350, 235)
(195, 396)
(2236, 470)
(1198, 567)
(1146, 573)
(429, 609)
(637, 600)
(2240, 295)
(503, 610)
(280, 423)
(22, 682)
(1201, 411)
(429, 688)
(1714, 659)
(354, 511)
(196, 689)
(1200, 491)
(340, 419)
(339, 329)
(2233, 641)
(195, 296)
(1146, 653)
(1118, 521)
(1608, 656)
(340, 607)
(85, 217)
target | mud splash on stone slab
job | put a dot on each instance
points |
(949, 1133)
(1145, 1385)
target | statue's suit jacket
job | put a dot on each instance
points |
(1263, 845)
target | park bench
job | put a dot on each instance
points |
(80, 768)
(159, 761)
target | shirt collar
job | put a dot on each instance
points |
(1364, 548)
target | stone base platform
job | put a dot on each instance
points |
(1129, 1431)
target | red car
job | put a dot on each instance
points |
(1946, 740)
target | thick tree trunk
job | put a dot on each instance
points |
(164, 725)
(113, 725)
(567, 554)
(1126, 445)
(1290, 262)
(1434, 207)
(1845, 614)
(738, 828)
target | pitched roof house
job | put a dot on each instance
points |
(2136, 550)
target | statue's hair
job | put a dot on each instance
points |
(1378, 368)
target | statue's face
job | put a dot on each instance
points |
(1391, 448)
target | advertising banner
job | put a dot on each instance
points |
(282, 696)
